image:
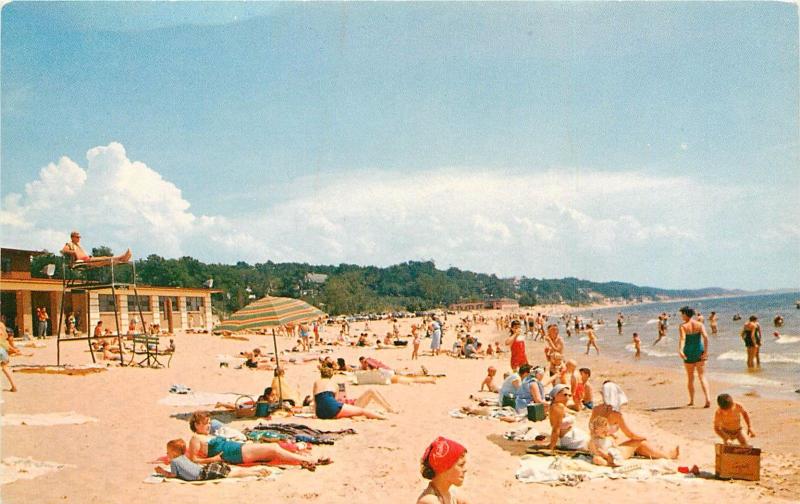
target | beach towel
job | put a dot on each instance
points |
(198, 399)
(524, 434)
(155, 478)
(45, 419)
(62, 370)
(565, 470)
(495, 413)
(16, 468)
(177, 388)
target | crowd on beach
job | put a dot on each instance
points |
(554, 387)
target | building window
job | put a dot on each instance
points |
(6, 264)
(162, 302)
(106, 302)
(144, 302)
(194, 304)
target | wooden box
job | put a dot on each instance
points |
(738, 462)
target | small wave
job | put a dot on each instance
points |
(789, 358)
(652, 321)
(786, 340)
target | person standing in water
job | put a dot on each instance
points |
(620, 322)
(591, 339)
(693, 349)
(751, 334)
(637, 345)
(712, 320)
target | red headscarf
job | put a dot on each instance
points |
(442, 454)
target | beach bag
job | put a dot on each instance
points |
(509, 401)
(372, 377)
(245, 406)
(536, 412)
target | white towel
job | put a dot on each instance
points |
(614, 396)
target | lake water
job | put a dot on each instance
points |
(780, 357)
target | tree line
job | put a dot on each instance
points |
(349, 288)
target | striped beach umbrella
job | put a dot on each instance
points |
(272, 312)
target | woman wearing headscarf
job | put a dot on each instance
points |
(613, 400)
(444, 464)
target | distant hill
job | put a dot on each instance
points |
(348, 288)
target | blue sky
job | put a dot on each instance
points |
(655, 143)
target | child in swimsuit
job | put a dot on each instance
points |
(602, 445)
(728, 420)
(181, 467)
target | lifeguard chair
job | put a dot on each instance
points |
(74, 281)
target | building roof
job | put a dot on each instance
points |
(7, 250)
(316, 277)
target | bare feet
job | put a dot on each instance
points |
(12, 389)
(324, 461)
(675, 453)
(708, 404)
(310, 466)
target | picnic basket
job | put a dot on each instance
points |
(245, 406)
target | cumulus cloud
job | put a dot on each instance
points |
(552, 224)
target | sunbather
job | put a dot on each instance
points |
(204, 448)
(187, 470)
(328, 407)
(368, 363)
(73, 248)
(613, 400)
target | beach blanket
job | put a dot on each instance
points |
(62, 370)
(155, 478)
(570, 471)
(16, 468)
(300, 433)
(198, 399)
(495, 413)
(524, 434)
(44, 419)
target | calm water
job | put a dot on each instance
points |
(780, 357)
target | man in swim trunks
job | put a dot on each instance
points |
(73, 248)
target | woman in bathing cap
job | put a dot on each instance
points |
(444, 464)
(564, 435)
(613, 400)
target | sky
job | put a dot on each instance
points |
(652, 143)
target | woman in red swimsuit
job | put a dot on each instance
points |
(517, 343)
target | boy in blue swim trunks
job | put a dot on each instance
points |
(183, 468)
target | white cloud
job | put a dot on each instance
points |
(556, 223)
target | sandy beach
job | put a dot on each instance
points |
(109, 458)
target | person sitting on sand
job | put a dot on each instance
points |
(204, 448)
(255, 360)
(488, 382)
(444, 464)
(287, 391)
(182, 468)
(613, 400)
(564, 433)
(582, 395)
(75, 251)
(390, 374)
(508, 390)
(327, 407)
(728, 420)
(603, 446)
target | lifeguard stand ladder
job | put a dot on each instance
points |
(72, 283)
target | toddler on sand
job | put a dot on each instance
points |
(602, 445)
(488, 382)
(728, 420)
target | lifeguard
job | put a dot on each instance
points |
(73, 248)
